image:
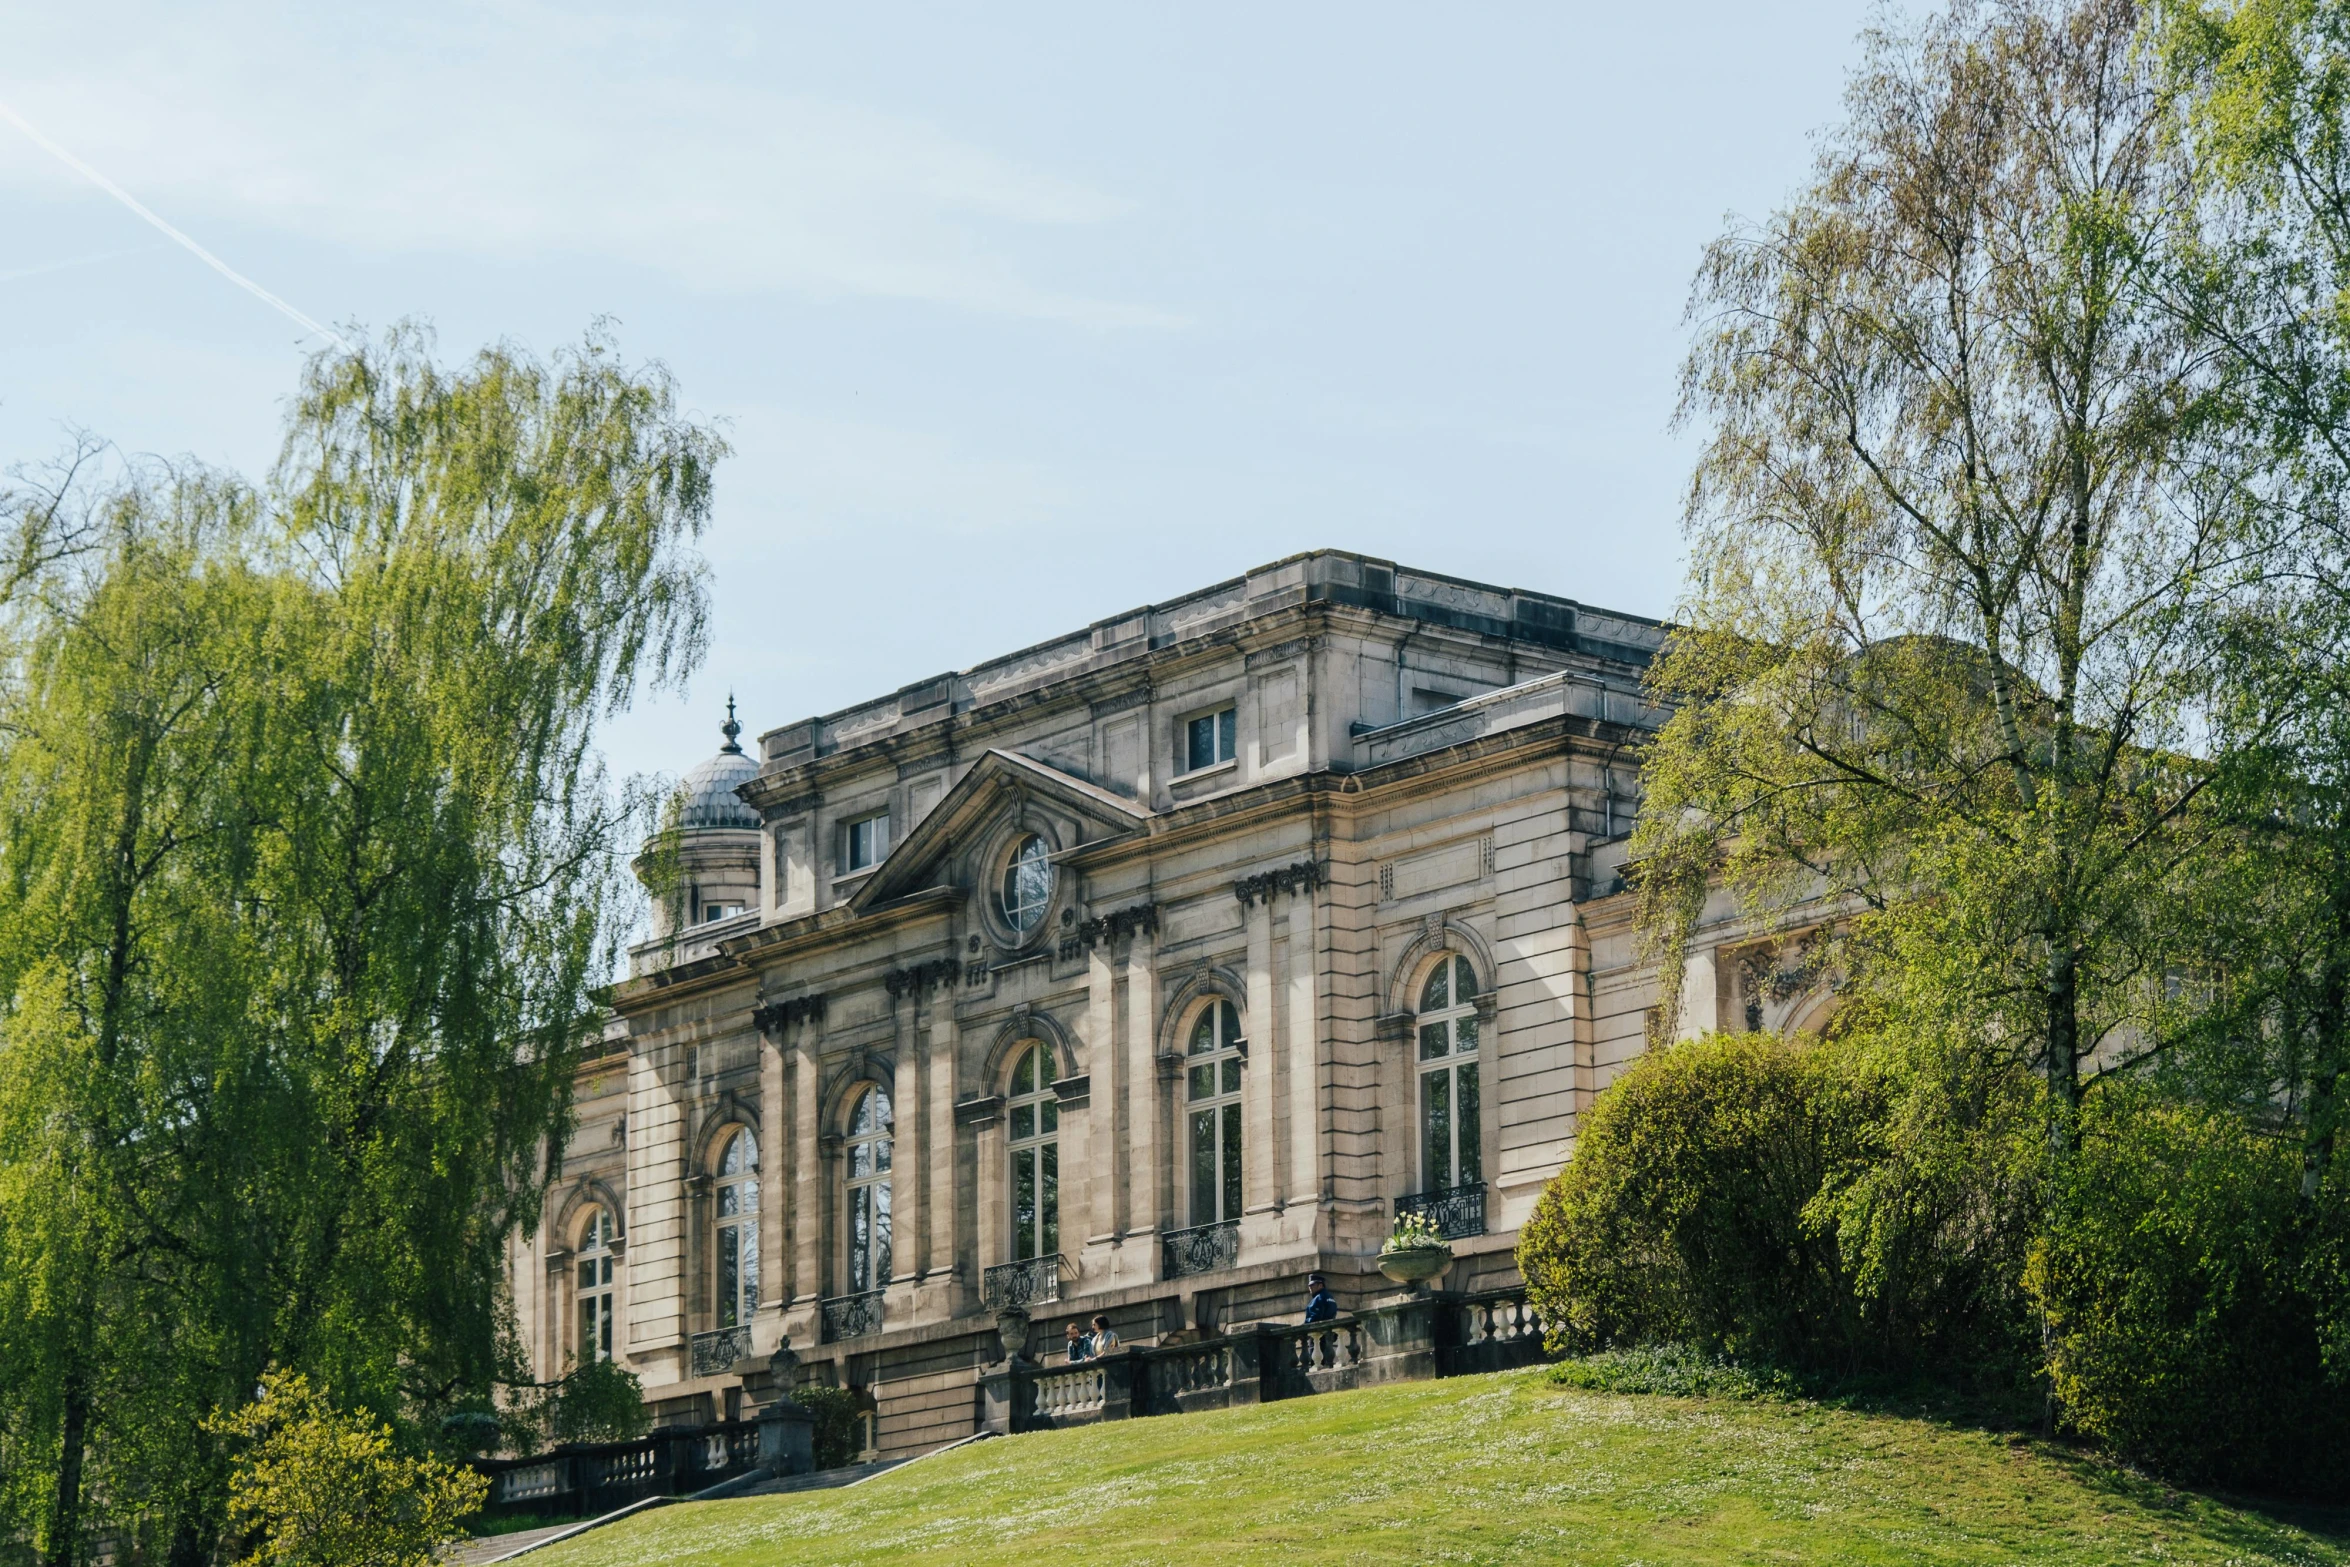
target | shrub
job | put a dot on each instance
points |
(312, 1486)
(839, 1434)
(599, 1401)
(1676, 1370)
(2188, 1288)
(1776, 1202)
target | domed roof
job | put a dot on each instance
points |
(707, 797)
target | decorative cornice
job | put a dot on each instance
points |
(773, 1017)
(1304, 876)
(1114, 926)
(919, 979)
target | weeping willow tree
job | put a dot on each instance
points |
(309, 874)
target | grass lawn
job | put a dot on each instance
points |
(1508, 1468)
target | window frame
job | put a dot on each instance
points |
(735, 1307)
(1008, 865)
(867, 1192)
(1464, 1164)
(1226, 1064)
(850, 865)
(1224, 736)
(595, 1304)
(1041, 1143)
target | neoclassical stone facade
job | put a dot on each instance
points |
(1139, 972)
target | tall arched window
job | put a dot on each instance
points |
(1450, 1123)
(1036, 1156)
(738, 1229)
(868, 1226)
(1212, 1096)
(595, 1285)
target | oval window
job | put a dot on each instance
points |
(1028, 883)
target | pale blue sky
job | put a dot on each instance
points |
(1021, 315)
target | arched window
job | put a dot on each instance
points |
(868, 1226)
(1028, 884)
(1450, 1124)
(595, 1285)
(738, 1229)
(1036, 1156)
(1212, 1096)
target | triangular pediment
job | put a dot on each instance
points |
(1000, 786)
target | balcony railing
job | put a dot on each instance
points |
(1456, 1211)
(849, 1316)
(1204, 1248)
(713, 1353)
(1033, 1282)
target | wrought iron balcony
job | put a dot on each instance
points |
(1456, 1211)
(849, 1316)
(713, 1353)
(1030, 1283)
(1204, 1248)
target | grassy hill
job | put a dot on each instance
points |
(1509, 1468)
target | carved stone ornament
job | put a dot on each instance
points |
(773, 1017)
(1304, 876)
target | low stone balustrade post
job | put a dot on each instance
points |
(1406, 1340)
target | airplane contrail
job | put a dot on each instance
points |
(198, 251)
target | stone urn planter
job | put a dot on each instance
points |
(1414, 1266)
(1011, 1328)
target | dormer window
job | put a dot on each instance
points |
(864, 842)
(713, 912)
(1208, 740)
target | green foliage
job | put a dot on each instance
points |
(839, 1434)
(600, 1401)
(2191, 1296)
(1674, 1370)
(312, 1486)
(1750, 1197)
(307, 874)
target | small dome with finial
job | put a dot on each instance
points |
(708, 797)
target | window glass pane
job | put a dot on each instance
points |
(1024, 1075)
(880, 1236)
(729, 1202)
(860, 1238)
(1431, 1041)
(750, 1191)
(1028, 884)
(1203, 1080)
(1471, 1134)
(1436, 1129)
(860, 1160)
(1050, 1202)
(603, 1272)
(1225, 749)
(587, 1275)
(1203, 1033)
(1024, 1204)
(1203, 1166)
(1435, 996)
(1231, 1162)
(587, 1327)
(729, 1278)
(881, 1148)
(1023, 1122)
(604, 1328)
(1464, 1036)
(1231, 1022)
(1051, 1109)
(1464, 981)
(1232, 1074)
(1200, 743)
(749, 1231)
(879, 1100)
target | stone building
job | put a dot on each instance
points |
(1140, 972)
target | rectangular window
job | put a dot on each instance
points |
(864, 842)
(1208, 740)
(720, 911)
